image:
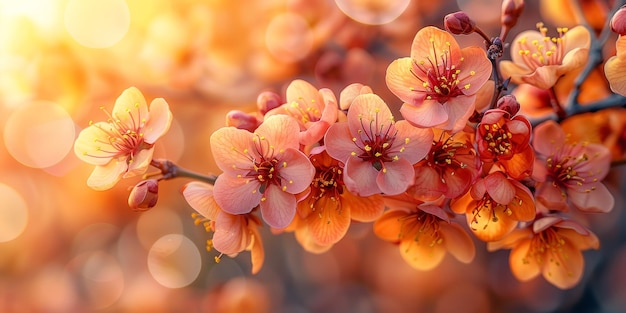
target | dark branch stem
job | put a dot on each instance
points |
(170, 170)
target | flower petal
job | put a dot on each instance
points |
(230, 233)
(199, 195)
(491, 223)
(615, 68)
(368, 114)
(412, 143)
(395, 177)
(232, 150)
(361, 175)
(427, 114)
(236, 195)
(458, 242)
(106, 176)
(599, 200)
(563, 267)
(280, 131)
(139, 163)
(296, 171)
(499, 188)
(511, 240)
(403, 83)
(257, 252)
(547, 136)
(279, 207)
(131, 108)
(430, 42)
(93, 146)
(458, 109)
(389, 226)
(514, 71)
(523, 265)
(475, 69)
(338, 142)
(428, 184)
(363, 209)
(330, 221)
(551, 195)
(419, 251)
(159, 122)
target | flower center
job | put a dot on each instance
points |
(376, 143)
(304, 111)
(440, 79)
(566, 168)
(125, 138)
(491, 207)
(422, 227)
(265, 169)
(548, 241)
(498, 140)
(443, 154)
(548, 51)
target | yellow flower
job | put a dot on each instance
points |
(122, 146)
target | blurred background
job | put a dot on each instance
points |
(67, 248)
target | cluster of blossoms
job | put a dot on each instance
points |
(311, 162)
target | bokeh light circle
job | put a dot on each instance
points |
(174, 261)
(288, 37)
(373, 12)
(39, 134)
(97, 23)
(13, 213)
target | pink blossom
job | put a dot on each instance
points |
(378, 152)
(439, 81)
(315, 110)
(262, 168)
(570, 173)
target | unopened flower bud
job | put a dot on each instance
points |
(242, 120)
(144, 195)
(459, 23)
(509, 104)
(511, 11)
(618, 21)
(268, 100)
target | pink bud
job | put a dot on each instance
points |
(242, 120)
(511, 11)
(509, 104)
(618, 21)
(459, 23)
(144, 195)
(268, 100)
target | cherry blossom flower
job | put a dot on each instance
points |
(569, 172)
(552, 247)
(449, 169)
(329, 207)
(378, 152)
(439, 81)
(315, 110)
(494, 206)
(504, 139)
(122, 147)
(540, 60)
(232, 234)
(424, 233)
(262, 168)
